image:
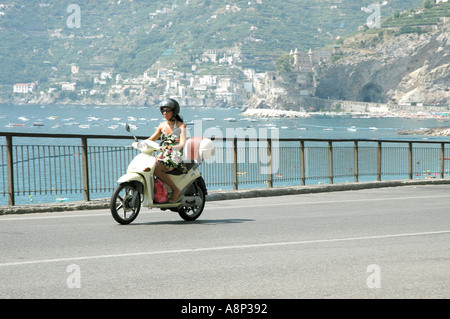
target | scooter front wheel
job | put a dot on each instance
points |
(125, 203)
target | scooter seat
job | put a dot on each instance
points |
(178, 171)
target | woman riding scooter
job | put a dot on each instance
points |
(137, 187)
(172, 133)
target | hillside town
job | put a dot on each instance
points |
(197, 87)
(231, 88)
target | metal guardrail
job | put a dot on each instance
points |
(29, 168)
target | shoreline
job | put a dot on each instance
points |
(271, 113)
(275, 113)
(438, 131)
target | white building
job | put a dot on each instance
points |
(208, 80)
(105, 75)
(209, 56)
(24, 87)
(68, 86)
(75, 69)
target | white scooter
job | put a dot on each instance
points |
(136, 187)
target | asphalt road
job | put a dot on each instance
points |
(378, 243)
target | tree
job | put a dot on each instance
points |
(284, 63)
(427, 4)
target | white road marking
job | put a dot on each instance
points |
(193, 250)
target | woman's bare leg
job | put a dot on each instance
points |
(160, 172)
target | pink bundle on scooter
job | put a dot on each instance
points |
(160, 193)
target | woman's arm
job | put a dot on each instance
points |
(157, 134)
(180, 145)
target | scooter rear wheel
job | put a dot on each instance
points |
(192, 213)
(125, 203)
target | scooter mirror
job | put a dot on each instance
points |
(127, 127)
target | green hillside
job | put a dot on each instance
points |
(428, 14)
(39, 43)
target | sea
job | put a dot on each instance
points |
(207, 122)
(111, 120)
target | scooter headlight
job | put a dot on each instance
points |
(142, 146)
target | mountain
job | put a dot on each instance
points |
(406, 62)
(41, 40)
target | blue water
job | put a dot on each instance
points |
(69, 119)
(110, 120)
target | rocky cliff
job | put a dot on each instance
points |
(409, 68)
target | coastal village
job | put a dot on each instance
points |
(196, 88)
(215, 79)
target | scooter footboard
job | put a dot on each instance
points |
(185, 180)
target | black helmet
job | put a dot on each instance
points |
(172, 104)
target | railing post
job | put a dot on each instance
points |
(235, 159)
(355, 157)
(379, 158)
(410, 160)
(442, 160)
(302, 163)
(330, 161)
(84, 147)
(9, 161)
(269, 155)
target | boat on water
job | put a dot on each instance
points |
(38, 124)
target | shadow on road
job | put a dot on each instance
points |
(196, 222)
